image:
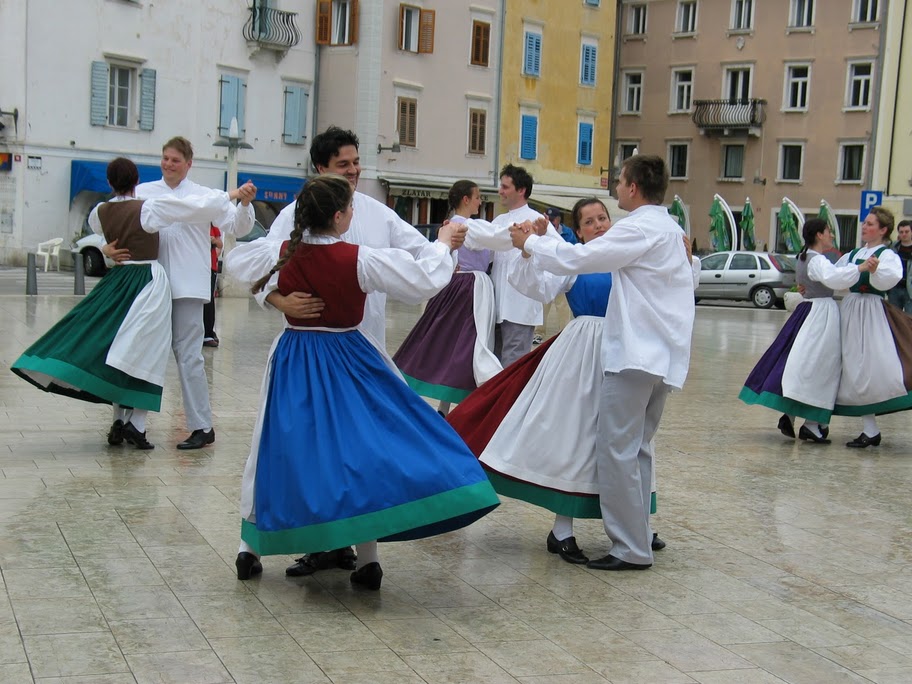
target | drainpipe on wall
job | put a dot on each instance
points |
(875, 111)
(316, 102)
(497, 93)
(900, 60)
(612, 138)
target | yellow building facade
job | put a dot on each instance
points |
(556, 95)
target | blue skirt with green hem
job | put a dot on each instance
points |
(349, 453)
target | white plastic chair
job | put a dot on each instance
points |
(50, 250)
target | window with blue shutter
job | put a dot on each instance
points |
(295, 131)
(587, 65)
(532, 56)
(98, 114)
(232, 94)
(594, 3)
(147, 100)
(584, 153)
(528, 137)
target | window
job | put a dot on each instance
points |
(532, 54)
(407, 116)
(232, 98)
(797, 81)
(743, 262)
(851, 162)
(848, 230)
(636, 19)
(858, 86)
(481, 43)
(687, 16)
(416, 29)
(865, 11)
(588, 60)
(528, 136)
(337, 22)
(478, 123)
(294, 131)
(681, 90)
(733, 162)
(633, 92)
(626, 150)
(713, 262)
(742, 18)
(677, 160)
(801, 14)
(584, 144)
(592, 3)
(737, 84)
(790, 159)
(122, 95)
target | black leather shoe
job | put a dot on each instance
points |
(368, 577)
(657, 544)
(198, 439)
(786, 427)
(115, 434)
(825, 431)
(863, 441)
(609, 562)
(808, 436)
(247, 565)
(308, 564)
(567, 549)
(136, 438)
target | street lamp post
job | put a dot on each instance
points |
(233, 143)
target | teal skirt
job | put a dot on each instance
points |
(70, 358)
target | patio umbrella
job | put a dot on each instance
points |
(718, 232)
(677, 210)
(748, 241)
(788, 229)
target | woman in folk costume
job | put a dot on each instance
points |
(113, 347)
(449, 352)
(343, 451)
(876, 336)
(533, 427)
(799, 373)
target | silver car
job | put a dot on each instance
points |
(759, 277)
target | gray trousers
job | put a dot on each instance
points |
(899, 296)
(629, 413)
(512, 341)
(187, 345)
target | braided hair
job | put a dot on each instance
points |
(315, 212)
(811, 232)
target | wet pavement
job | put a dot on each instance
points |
(786, 561)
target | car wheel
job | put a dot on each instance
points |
(93, 262)
(763, 297)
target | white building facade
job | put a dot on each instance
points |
(87, 81)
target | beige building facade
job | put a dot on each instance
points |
(749, 99)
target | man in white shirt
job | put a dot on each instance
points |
(516, 314)
(645, 347)
(184, 252)
(373, 224)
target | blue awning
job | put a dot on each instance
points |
(92, 176)
(278, 189)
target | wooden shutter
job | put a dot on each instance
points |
(532, 58)
(295, 131)
(477, 124)
(400, 42)
(232, 96)
(584, 156)
(352, 22)
(426, 21)
(528, 137)
(324, 22)
(481, 41)
(408, 121)
(98, 111)
(147, 100)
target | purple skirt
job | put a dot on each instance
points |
(436, 357)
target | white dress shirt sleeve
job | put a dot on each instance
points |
(405, 236)
(248, 262)
(820, 270)
(696, 266)
(94, 221)
(402, 276)
(618, 247)
(162, 212)
(237, 220)
(486, 235)
(536, 284)
(889, 271)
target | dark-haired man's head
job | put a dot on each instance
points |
(515, 186)
(335, 150)
(643, 180)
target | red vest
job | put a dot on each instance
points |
(329, 272)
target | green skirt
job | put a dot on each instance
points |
(70, 358)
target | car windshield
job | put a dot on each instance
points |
(783, 262)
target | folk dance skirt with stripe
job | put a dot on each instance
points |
(345, 452)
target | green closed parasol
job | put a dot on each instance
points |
(677, 210)
(788, 228)
(719, 236)
(748, 241)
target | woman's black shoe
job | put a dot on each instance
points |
(808, 436)
(657, 544)
(567, 549)
(247, 565)
(136, 438)
(863, 441)
(786, 427)
(368, 577)
(115, 434)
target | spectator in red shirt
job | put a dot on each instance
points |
(210, 339)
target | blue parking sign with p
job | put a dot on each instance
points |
(869, 200)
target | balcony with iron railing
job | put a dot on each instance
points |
(271, 29)
(729, 116)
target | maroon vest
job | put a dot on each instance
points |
(329, 272)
